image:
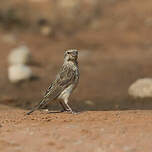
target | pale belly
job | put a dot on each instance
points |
(66, 93)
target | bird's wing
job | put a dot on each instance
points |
(65, 77)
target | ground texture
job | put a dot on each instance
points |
(103, 131)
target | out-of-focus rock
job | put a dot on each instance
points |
(46, 30)
(142, 88)
(89, 102)
(20, 55)
(17, 73)
(45, 27)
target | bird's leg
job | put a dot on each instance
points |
(69, 108)
(63, 106)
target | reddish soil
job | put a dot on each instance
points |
(114, 52)
(104, 131)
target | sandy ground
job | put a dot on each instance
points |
(114, 53)
(102, 131)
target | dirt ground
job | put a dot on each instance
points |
(113, 53)
(102, 131)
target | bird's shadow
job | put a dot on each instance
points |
(54, 111)
(64, 112)
(126, 104)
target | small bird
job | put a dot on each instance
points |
(64, 84)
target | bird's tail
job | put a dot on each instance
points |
(43, 102)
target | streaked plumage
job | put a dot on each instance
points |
(65, 82)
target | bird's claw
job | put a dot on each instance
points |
(71, 111)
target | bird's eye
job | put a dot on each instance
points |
(68, 52)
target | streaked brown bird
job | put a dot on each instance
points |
(64, 84)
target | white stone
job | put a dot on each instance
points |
(17, 73)
(141, 88)
(20, 55)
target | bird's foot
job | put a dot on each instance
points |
(75, 112)
(71, 111)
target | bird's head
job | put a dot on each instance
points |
(71, 55)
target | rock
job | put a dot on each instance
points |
(89, 102)
(46, 30)
(19, 72)
(20, 55)
(142, 88)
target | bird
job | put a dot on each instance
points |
(64, 84)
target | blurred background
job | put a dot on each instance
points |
(114, 39)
